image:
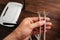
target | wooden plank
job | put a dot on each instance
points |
(38, 5)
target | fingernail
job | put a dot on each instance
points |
(48, 18)
(50, 23)
(49, 27)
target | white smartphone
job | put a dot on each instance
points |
(10, 14)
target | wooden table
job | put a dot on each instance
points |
(52, 8)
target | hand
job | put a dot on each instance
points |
(25, 29)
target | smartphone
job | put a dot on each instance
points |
(10, 14)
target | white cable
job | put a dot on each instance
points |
(40, 27)
(44, 25)
(30, 38)
(39, 35)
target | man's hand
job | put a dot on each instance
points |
(25, 29)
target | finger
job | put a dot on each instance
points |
(37, 18)
(48, 23)
(37, 24)
(34, 18)
(49, 27)
(36, 32)
(47, 19)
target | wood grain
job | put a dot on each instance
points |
(52, 8)
(38, 5)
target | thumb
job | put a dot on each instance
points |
(38, 24)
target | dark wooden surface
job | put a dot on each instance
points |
(52, 8)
